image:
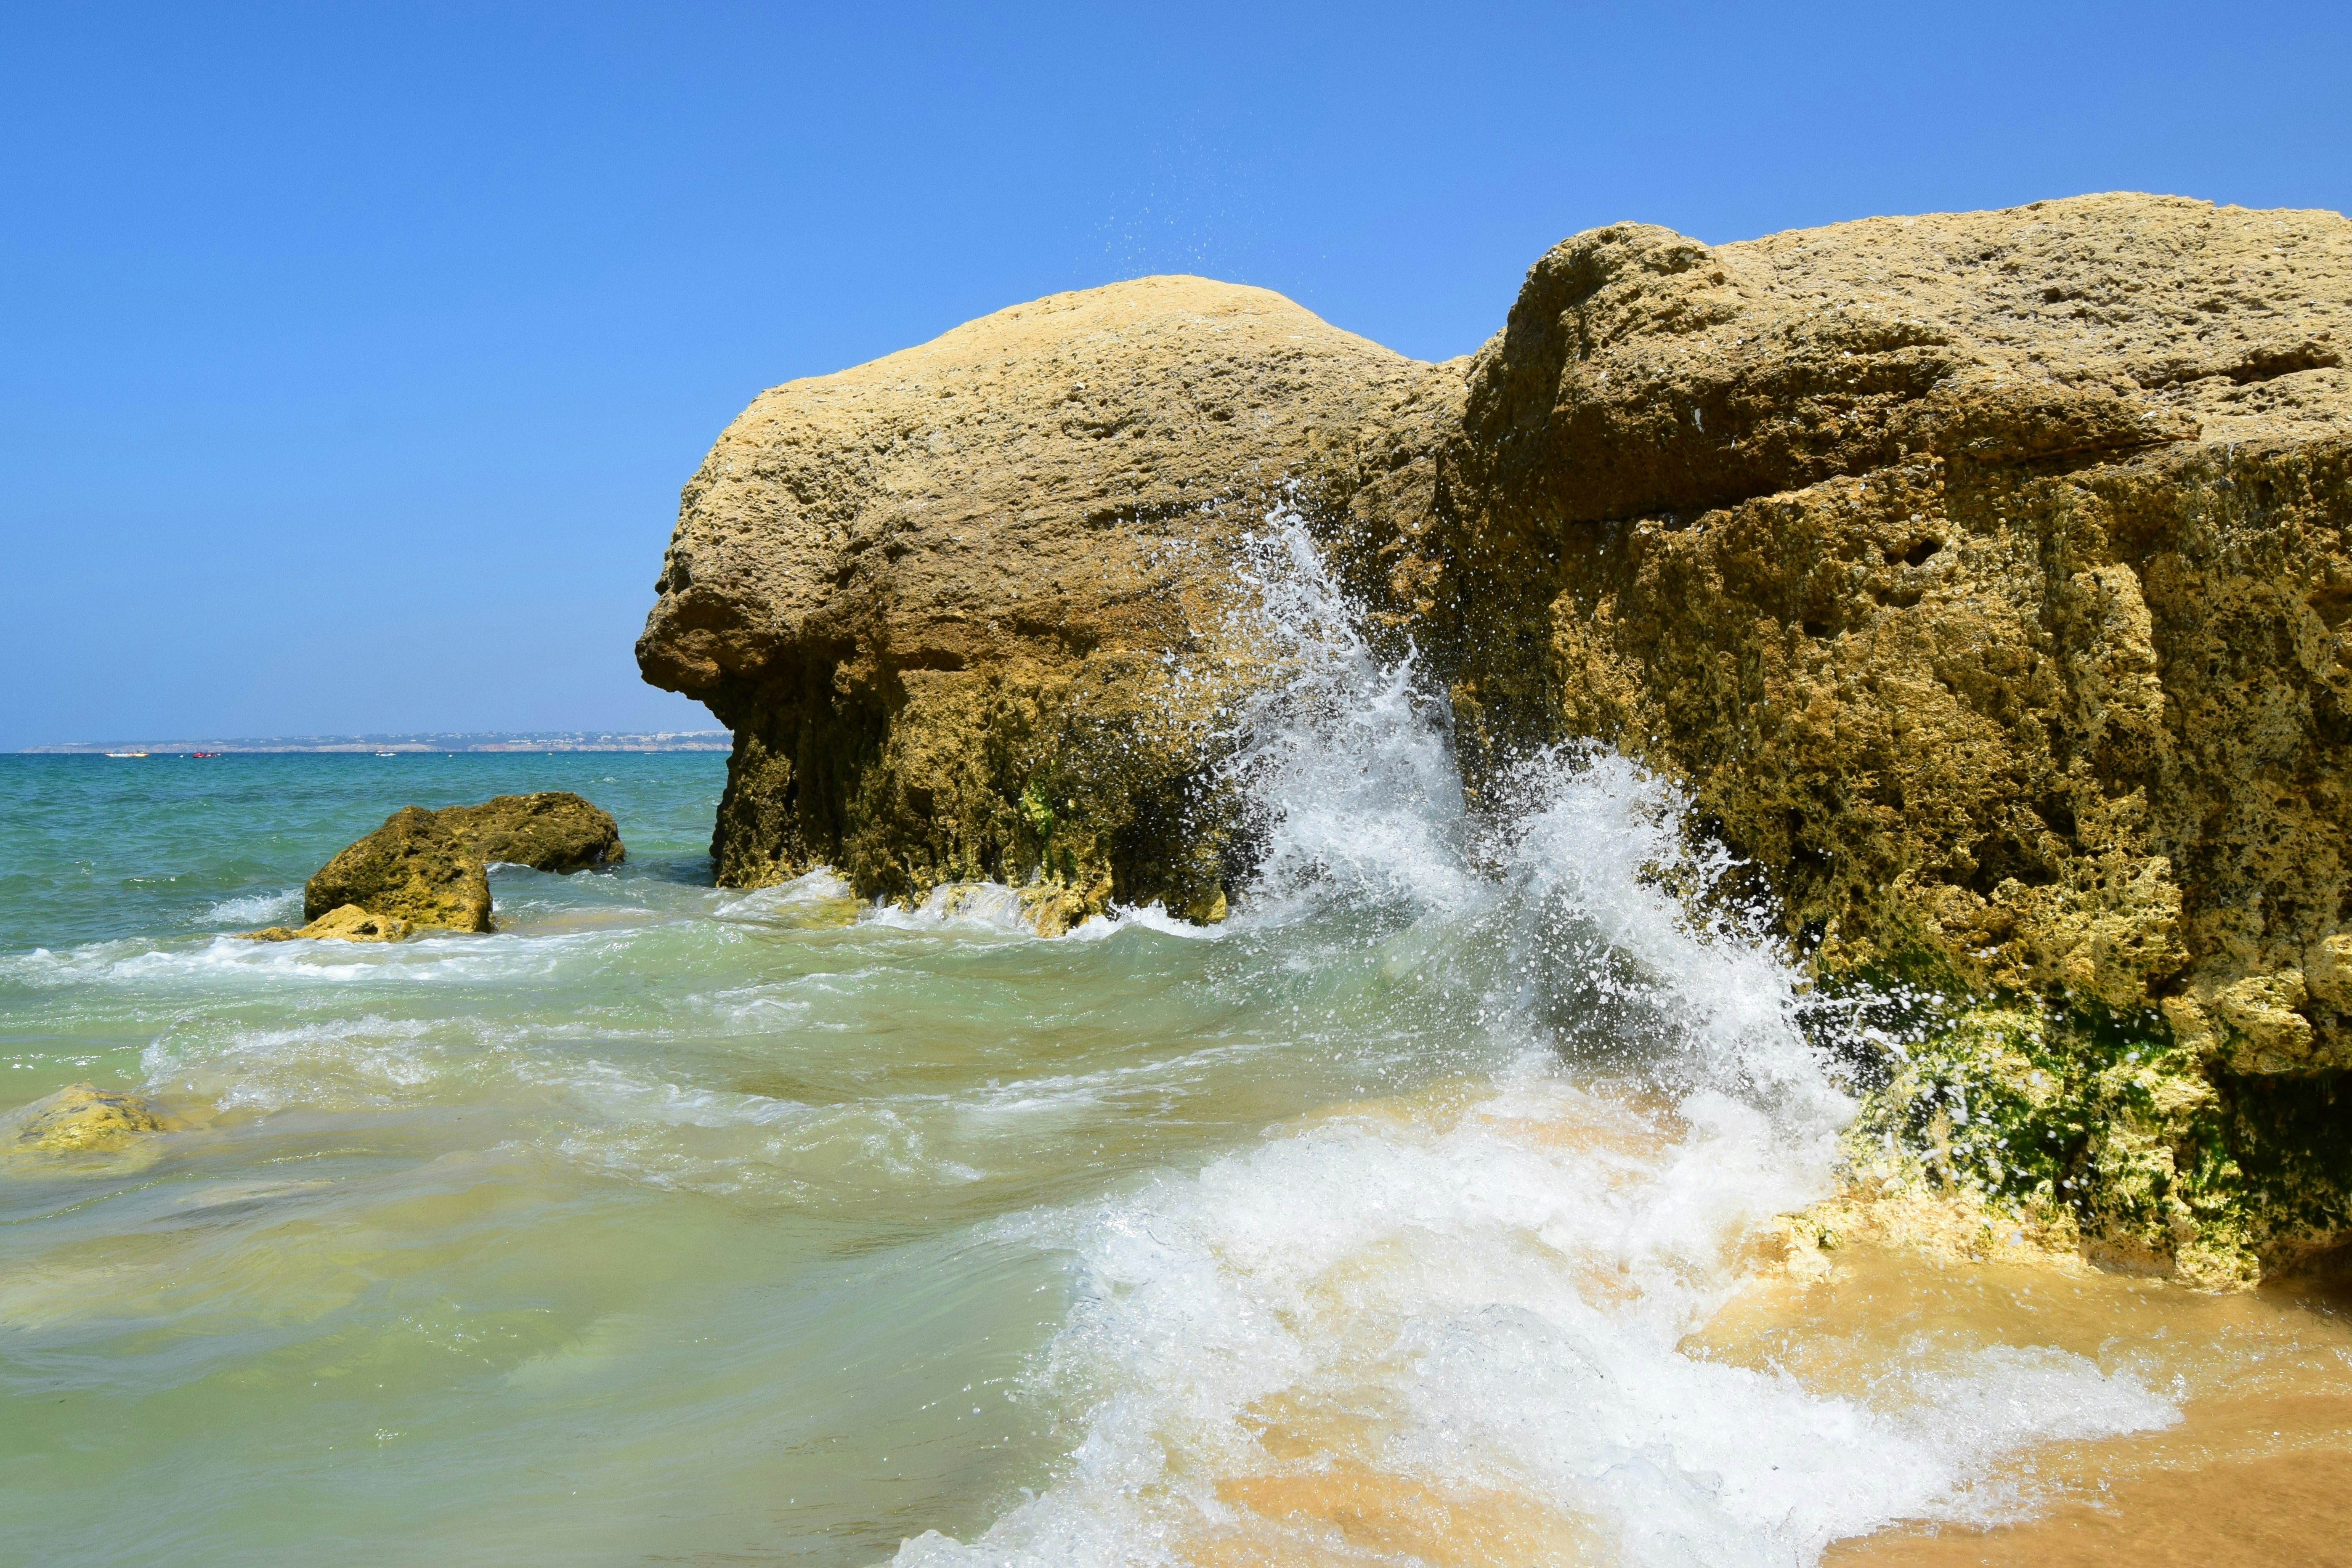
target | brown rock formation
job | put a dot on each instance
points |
(429, 868)
(417, 867)
(1982, 574)
(1983, 577)
(933, 595)
(553, 830)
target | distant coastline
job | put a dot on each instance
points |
(489, 741)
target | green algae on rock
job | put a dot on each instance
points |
(430, 867)
(1982, 577)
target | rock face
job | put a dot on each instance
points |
(938, 598)
(1983, 573)
(1984, 578)
(429, 868)
(82, 1118)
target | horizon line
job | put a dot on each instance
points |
(410, 742)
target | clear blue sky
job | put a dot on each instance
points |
(351, 358)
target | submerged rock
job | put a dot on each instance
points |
(1984, 577)
(347, 923)
(430, 867)
(82, 1118)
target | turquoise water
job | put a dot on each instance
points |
(654, 1224)
(1383, 1222)
(93, 848)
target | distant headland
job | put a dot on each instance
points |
(452, 741)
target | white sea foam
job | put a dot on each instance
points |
(1483, 1293)
(373, 1062)
(812, 889)
(333, 1063)
(611, 1093)
(1353, 779)
(966, 906)
(1490, 1302)
(257, 908)
(233, 961)
(1151, 917)
(993, 908)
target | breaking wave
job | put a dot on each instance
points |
(1452, 1324)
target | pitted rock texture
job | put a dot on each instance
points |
(415, 867)
(969, 609)
(345, 922)
(1982, 574)
(431, 867)
(1985, 577)
(552, 830)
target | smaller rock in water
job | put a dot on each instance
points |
(430, 867)
(554, 830)
(417, 867)
(347, 923)
(82, 1118)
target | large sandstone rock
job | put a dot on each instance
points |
(967, 608)
(1983, 574)
(416, 867)
(1983, 577)
(430, 867)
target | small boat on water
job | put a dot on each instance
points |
(387, 753)
(126, 753)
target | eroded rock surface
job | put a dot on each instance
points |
(553, 830)
(430, 867)
(417, 867)
(346, 922)
(1983, 577)
(942, 599)
(1908, 543)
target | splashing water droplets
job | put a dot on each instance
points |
(1351, 781)
(1450, 1325)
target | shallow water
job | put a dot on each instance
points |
(1413, 1216)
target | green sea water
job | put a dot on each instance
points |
(655, 1226)
(1383, 1222)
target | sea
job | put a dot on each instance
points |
(1423, 1212)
